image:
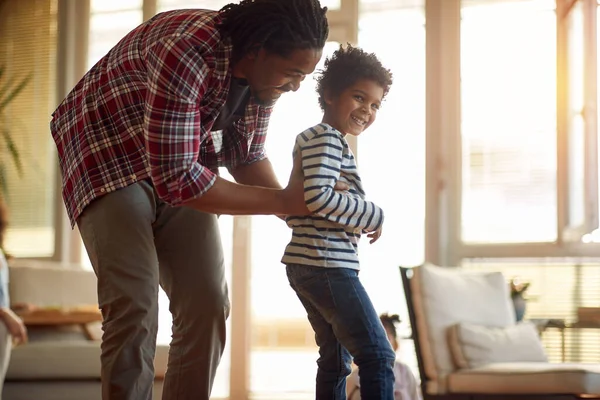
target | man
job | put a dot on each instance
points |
(140, 139)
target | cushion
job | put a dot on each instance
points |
(445, 296)
(527, 377)
(475, 345)
(66, 360)
(51, 284)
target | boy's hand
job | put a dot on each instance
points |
(341, 187)
(375, 235)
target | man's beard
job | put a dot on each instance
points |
(262, 102)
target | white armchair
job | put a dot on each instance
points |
(469, 346)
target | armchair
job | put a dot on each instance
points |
(469, 346)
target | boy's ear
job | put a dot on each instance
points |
(327, 97)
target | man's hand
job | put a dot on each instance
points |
(375, 235)
(294, 191)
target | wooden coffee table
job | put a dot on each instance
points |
(60, 317)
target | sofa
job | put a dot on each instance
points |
(470, 347)
(59, 363)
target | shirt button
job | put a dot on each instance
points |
(103, 190)
(133, 177)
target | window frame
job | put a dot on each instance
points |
(72, 48)
(444, 145)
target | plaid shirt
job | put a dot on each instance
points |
(146, 110)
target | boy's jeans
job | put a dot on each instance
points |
(346, 325)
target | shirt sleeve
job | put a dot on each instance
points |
(232, 141)
(4, 296)
(321, 163)
(177, 80)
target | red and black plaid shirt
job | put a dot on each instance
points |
(146, 110)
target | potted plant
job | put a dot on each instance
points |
(517, 294)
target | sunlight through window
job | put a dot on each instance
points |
(509, 122)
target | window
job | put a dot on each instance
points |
(110, 21)
(27, 48)
(529, 143)
(164, 5)
(528, 160)
(508, 122)
(391, 155)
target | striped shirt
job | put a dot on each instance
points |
(146, 109)
(329, 237)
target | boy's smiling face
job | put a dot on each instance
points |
(355, 109)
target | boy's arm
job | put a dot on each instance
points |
(321, 159)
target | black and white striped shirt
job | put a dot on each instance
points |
(329, 237)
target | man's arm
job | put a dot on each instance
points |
(259, 173)
(172, 121)
(176, 74)
(226, 197)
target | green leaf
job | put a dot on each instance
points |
(9, 90)
(13, 150)
(3, 183)
(12, 93)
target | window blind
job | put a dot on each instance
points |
(28, 36)
(558, 288)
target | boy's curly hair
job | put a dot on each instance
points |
(346, 67)
(389, 322)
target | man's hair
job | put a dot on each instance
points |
(346, 67)
(389, 322)
(278, 26)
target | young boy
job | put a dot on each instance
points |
(406, 386)
(321, 259)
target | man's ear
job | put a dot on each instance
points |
(253, 52)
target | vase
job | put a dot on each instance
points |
(520, 305)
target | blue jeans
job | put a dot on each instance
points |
(346, 325)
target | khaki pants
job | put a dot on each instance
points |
(135, 241)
